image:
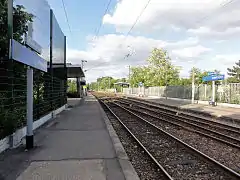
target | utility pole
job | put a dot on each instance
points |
(166, 84)
(83, 61)
(165, 79)
(129, 73)
(129, 76)
(193, 84)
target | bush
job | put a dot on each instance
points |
(235, 99)
(10, 120)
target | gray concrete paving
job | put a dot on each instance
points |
(76, 145)
(225, 115)
(72, 102)
(214, 110)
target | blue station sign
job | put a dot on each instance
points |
(213, 77)
(211, 73)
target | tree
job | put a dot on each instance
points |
(234, 72)
(20, 21)
(160, 62)
(137, 75)
(158, 72)
(199, 74)
(184, 82)
(11, 118)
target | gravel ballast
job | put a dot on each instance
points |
(225, 154)
(179, 161)
(188, 120)
(143, 164)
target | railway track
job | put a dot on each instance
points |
(219, 132)
(176, 159)
(186, 115)
(144, 163)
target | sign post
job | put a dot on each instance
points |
(213, 92)
(193, 85)
(29, 136)
(213, 77)
(141, 89)
(30, 58)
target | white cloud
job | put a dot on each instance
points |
(217, 15)
(191, 52)
(220, 62)
(226, 59)
(210, 33)
(106, 54)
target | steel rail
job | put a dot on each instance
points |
(188, 129)
(138, 141)
(179, 118)
(197, 152)
(169, 108)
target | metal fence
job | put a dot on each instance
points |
(49, 88)
(49, 94)
(12, 97)
(228, 93)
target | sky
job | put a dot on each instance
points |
(199, 33)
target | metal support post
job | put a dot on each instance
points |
(129, 77)
(80, 88)
(193, 85)
(213, 93)
(166, 95)
(205, 91)
(10, 27)
(51, 57)
(29, 137)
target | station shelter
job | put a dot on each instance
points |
(121, 85)
(74, 71)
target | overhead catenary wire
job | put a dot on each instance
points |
(133, 25)
(221, 6)
(97, 30)
(138, 17)
(66, 15)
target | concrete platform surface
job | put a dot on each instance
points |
(77, 145)
(72, 102)
(216, 111)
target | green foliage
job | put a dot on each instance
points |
(159, 71)
(72, 86)
(184, 82)
(105, 83)
(12, 118)
(199, 74)
(20, 20)
(234, 72)
(235, 99)
(232, 80)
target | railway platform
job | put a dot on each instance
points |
(229, 113)
(79, 143)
